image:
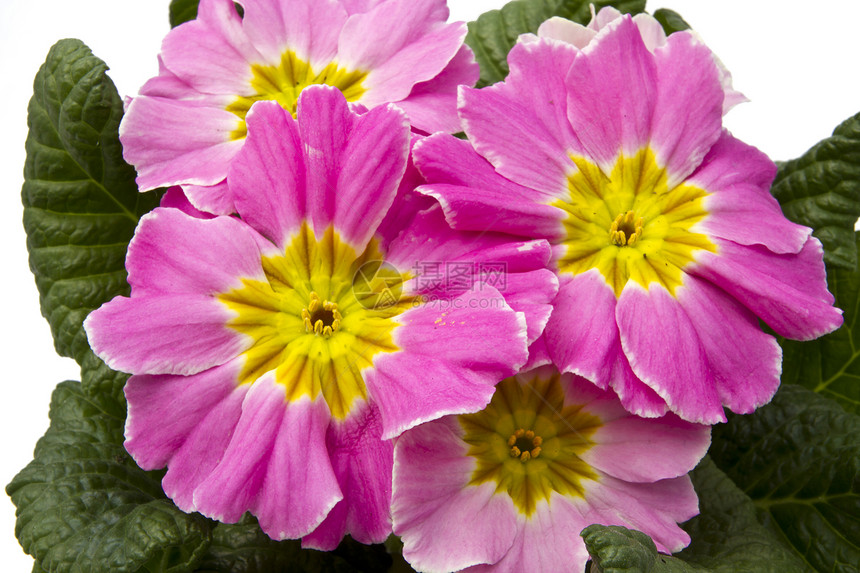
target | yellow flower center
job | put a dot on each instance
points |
(285, 81)
(529, 464)
(317, 320)
(629, 225)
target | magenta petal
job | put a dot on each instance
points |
(258, 472)
(214, 198)
(663, 348)
(688, 113)
(268, 177)
(175, 142)
(746, 363)
(789, 292)
(453, 353)
(740, 206)
(174, 253)
(175, 198)
(363, 463)
(164, 410)
(434, 508)
(517, 126)
(613, 79)
(167, 334)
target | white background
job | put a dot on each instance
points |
(797, 64)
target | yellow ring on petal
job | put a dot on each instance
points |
(322, 282)
(630, 225)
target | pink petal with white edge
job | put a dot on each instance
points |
(308, 27)
(212, 53)
(164, 410)
(789, 292)
(175, 198)
(664, 351)
(166, 334)
(354, 163)
(211, 198)
(432, 105)
(653, 35)
(173, 142)
(582, 338)
(538, 355)
(452, 354)
(688, 114)
(563, 30)
(258, 471)
(174, 253)
(614, 78)
(363, 463)
(434, 509)
(521, 125)
(268, 178)
(653, 508)
(746, 363)
(476, 198)
(740, 207)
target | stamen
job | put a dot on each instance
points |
(525, 445)
(321, 317)
(515, 452)
(625, 230)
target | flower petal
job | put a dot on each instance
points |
(434, 509)
(663, 348)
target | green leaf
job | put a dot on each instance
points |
(821, 189)
(671, 21)
(81, 204)
(726, 537)
(829, 365)
(83, 505)
(182, 11)
(494, 33)
(798, 458)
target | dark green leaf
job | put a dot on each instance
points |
(821, 189)
(84, 506)
(494, 33)
(182, 11)
(671, 21)
(830, 365)
(726, 537)
(81, 204)
(798, 458)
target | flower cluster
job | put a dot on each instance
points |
(346, 325)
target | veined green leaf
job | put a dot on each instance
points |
(798, 458)
(494, 33)
(671, 21)
(821, 189)
(81, 204)
(182, 11)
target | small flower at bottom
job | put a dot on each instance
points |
(510, 488)
(275, 353)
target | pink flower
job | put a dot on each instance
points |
(188, 122)
(511, 487)
(668, 246)
(274, 354)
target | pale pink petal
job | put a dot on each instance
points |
(563, 30)
(168, 85)
(789, 292)
(172, 252)
(688, 113)
(215, 198)
(740, 206)
(174, 142)
(663, 348)
(651, 31)
(276, 465)
(446, 524)
(452, 354)
(362, 462)
(615, 79)
(746, 363)
(167, 334)
(521, 125)
(310, 28)
(213, 54)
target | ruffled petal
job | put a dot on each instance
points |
(563, 30)
(434, 509)
(789, 292)
(452, 354)
(363, 463)
(614, 78)
(664, 351)
(276, 465)
(175, 198)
